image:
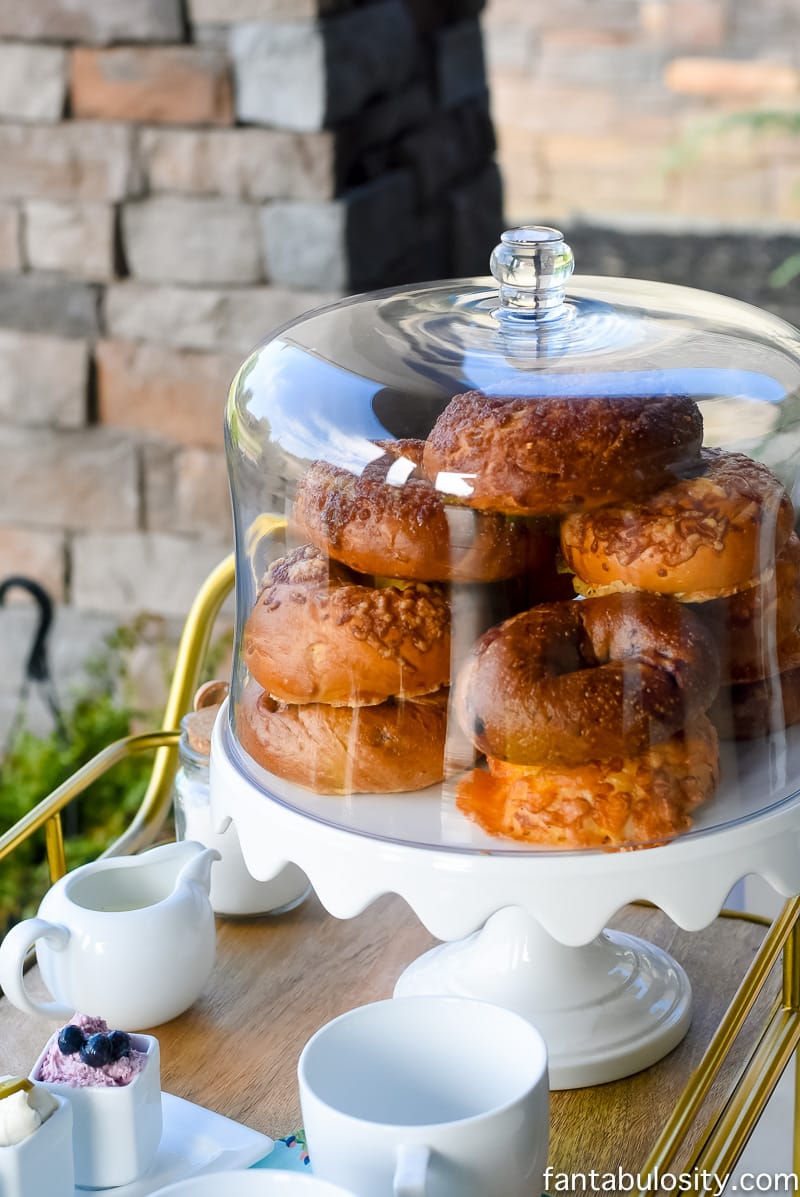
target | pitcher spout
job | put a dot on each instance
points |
(197, 869)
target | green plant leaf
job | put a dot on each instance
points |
(34, 765)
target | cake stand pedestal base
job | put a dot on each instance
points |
(606, 1010)
(525, 928)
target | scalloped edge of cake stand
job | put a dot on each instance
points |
(453, 893)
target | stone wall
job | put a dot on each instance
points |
(177, 177)
(633, 109)
(739, 263)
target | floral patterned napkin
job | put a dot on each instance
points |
(290, 1154)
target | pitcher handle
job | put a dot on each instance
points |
(13, 951)
(411, 1169)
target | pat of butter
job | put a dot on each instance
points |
(13, 1084)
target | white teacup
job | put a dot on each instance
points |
(427, 1097)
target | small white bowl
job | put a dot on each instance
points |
(256, 1182)
(115, 1130)
(42, 1163)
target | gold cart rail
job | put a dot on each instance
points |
(691, 1138)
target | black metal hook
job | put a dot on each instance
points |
(37, 668)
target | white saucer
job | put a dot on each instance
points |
(194, 1140)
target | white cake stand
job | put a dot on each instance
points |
(526, 928)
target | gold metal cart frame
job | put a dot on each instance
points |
(720, 1142)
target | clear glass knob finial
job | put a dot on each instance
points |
(532, 265)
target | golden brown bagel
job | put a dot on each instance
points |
(754, 629)
(405, 529)
(389, 748)
(543, 456)
(704, 537)
(318, 633)
(616, 803)
(570, 682)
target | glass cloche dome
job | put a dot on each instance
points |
(516, 566)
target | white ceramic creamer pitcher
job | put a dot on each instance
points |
(129, 939)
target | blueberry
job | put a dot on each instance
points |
(70, 1039)
(120, 1044)
(96, 1051)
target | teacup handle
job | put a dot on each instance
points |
(13, 951)
(411, 1169)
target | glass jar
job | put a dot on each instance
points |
(233, 891)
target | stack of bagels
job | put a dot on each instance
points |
(592, 713)
(349, 645)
